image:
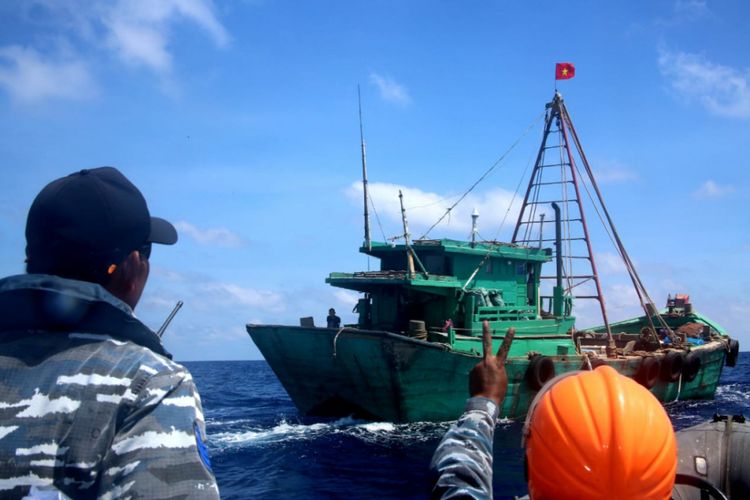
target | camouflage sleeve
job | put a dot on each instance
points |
(158, 450)
(462, 462)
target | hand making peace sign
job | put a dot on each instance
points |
(488, 378)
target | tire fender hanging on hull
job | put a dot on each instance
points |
(648, 373)
(540, 370)
(691, 367)
(733, 352)
(671, 366)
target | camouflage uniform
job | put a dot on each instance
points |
(90, 403)
(463, 460)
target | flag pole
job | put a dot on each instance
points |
(555, 76)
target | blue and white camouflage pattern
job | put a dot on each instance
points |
(462, 462)
(91, 405)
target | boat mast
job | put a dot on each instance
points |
(544, 190)
(368, 242)
(409, 256)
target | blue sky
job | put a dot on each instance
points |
(238, 121)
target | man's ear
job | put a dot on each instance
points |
(127, 279)
(124, 274)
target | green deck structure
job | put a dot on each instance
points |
(381, 369)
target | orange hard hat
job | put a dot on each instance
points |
(599, 434)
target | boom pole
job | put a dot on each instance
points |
(409, 255)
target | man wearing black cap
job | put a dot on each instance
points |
(91, 404)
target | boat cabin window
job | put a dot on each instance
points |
(530, 284)
(435, 264)
(393, 263)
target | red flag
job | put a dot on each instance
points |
(563, 71)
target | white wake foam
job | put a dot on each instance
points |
(734, 393)
(283, 431)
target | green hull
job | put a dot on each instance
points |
(390, 377)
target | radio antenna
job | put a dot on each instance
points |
(368, 242)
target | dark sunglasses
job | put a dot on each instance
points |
(145, 250)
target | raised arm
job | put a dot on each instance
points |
(462, 462)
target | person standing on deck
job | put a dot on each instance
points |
(592, 434)
(333, 320)
(91, 404)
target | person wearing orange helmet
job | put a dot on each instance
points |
(592, 434)
(595, 434)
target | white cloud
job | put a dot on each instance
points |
(76, 32)
(614, 173)
(138, 30)
(390, 90)
(168, 275)
(423, 209)
(686, 12)
(711, 189)
(158, 302)
(620, 300)
(220, 236)
(211, 335)
(229, 293)
(609, 263)
(722, 90)
(225, 302)
(672, 285)
(691, 10)
(346, 299)
(30, 76)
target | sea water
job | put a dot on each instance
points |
(261, 448)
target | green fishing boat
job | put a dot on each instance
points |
(419, 328)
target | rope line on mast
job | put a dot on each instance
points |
(635, 278)
(628, 265)
(568, 262)
(441, 200)
(377, 217)
(483, 176)
(534, 200)
(493, 244)
(513, 198)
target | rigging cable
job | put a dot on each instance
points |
(534, 204)
(637, 283)
(377, 217)
(494, 243)
(417, 207)
(637, 286)
(483, 176)
(513, 199)
(569, 271)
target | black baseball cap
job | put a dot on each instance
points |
(81, 224)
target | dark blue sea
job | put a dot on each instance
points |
(261, 448)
